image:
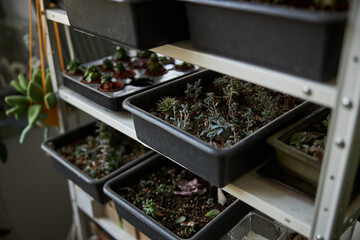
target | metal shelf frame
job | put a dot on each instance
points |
(331, 213)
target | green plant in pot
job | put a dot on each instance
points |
(74, 68)
(121, 54)
(107, 65)
(155, 68)
(120, 72)
(36, 99)
(92, 75)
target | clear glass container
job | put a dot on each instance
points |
(259, 225)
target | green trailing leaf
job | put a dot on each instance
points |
(17, 100)
(23, 82)
(25, 133)
(48, 83)
(17, 86)
(33, 114)
(46, 133)
(50, 100)
(17, 110)
(180, 219)
(212, 213)
(3, 153)
(36, 77)
(35, 92)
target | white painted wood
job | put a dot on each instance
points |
(57, 15)
(122, 121)
(285, 206)
(324, 94)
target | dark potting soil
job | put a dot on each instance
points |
(177, 199)
(223, 112)
(102, 152)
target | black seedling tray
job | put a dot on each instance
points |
(90, 185)
(301, 42)
(141, 24)
(218, 166)
(113, 100)
(215, 229)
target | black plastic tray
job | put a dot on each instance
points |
(90, 185)
(141, 24)
(218, 166)
(150, 227)
(301, 42)
(113, 100)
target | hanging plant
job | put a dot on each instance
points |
(36, 99)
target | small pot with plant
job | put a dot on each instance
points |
(155, 68)
(165, 60)
(121, 54)
(146, 54)
(109, 86)
(223, 123)
(165, 201)
(300, 146)
(74, 68)
(93, 154)
(120, 72)
(92, 75)
(184, 66)
(106, 66)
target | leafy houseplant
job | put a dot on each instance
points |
(36, 100)
(93, 154)
(222, 121)
(173, 203)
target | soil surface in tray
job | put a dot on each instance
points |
(178, 199)
(223, 112)
(102, 152)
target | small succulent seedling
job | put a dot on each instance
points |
(92, 74)
(193, 91)
(106, 79)
(149, 207)
(145, 54)
(119, 66)
(167, 105)
(73, 67)
(107, 64)
(121, 54)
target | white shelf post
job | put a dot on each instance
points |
(341, 158)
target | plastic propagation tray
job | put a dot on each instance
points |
(90, 185)
(141, 24)
(113, 100)
(215, 229)
(303, 42)
(218, 166)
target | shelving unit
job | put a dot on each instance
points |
(330, 214)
